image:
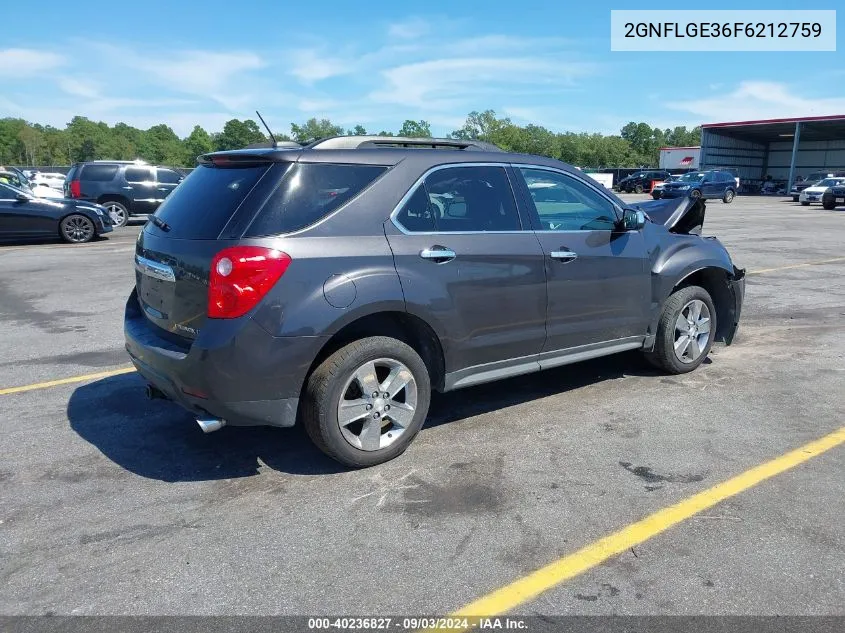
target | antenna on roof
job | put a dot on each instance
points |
(267, 127)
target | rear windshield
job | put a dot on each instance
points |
(98, 173)
(202, 204)
(308, 193)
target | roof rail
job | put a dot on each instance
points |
(271, 145)
(371, 142)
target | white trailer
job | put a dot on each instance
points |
(604, 179)
(672, 158)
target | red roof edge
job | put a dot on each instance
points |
(832, 117)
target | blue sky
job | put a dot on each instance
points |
(379, 63)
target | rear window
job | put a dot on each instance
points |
(308, 193)
(202, 204)
(98, 173)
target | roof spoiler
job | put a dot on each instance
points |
(378, 142)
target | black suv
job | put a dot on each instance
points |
(833, 197)
(125, 188)
(641, 181)
(341, 282)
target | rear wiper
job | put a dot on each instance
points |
(164, 226)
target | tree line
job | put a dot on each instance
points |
(25, 143)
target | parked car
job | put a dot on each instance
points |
(125, 188)
(55, 180)
(14, 177)
(833, 197)
(657, 191)
(815, 192)
(702, 184)
(260, 300)
(641, 181)
(813, 179)
(25, 217)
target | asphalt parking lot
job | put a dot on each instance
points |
(111, 504)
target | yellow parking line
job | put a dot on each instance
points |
(529, 587)
(802, 265)
(66, 381)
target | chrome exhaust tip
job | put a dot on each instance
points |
(209, 425)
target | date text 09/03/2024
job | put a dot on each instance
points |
(417, 623)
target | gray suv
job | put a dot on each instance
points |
(339, 283)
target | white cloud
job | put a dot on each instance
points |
(753, 100)
(312, 65)
(447, 83)
(203, 73)
(79, 87)
(411, 28)
(22, 62)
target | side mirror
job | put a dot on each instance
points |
(22, 197)
(632, 220)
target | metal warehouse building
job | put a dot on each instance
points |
(780, 148)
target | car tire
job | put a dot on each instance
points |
(695, 194)
(656, 195)
(828, 204)
(358, 440)
(795, 198)
(729, 196)
(77, 229)
(638, 189)
(805, 204)
(117, 211)
(679, 308)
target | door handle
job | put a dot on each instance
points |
(438, 254)
(564, 256)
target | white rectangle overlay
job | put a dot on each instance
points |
(723, 30)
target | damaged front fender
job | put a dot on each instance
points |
(736, 286)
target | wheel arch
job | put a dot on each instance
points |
(404, 326)
(115, 197)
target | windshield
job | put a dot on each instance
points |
(692, 177)
(828, 182)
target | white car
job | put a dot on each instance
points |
(43, 191)
(55, 180)
(815, 192)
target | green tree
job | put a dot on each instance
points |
(33, 140)
(415, 129)
(12, 149)
(161, 146)
(238, 134)
(358, 130)
(482, 126)
(313, 129)
(199, 142)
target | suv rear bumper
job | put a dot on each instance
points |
(234, 370)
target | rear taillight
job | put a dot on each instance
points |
(240, 277)
(75, 189)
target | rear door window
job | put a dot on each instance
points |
(473, 198)
(97, 173)
(139, 174)
(167, 176)
(201, 206)
(308, 193)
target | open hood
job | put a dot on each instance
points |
(679, 215)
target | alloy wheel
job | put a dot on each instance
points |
(377, 404)
(692, 331)
(117, 213)
(78, 229)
